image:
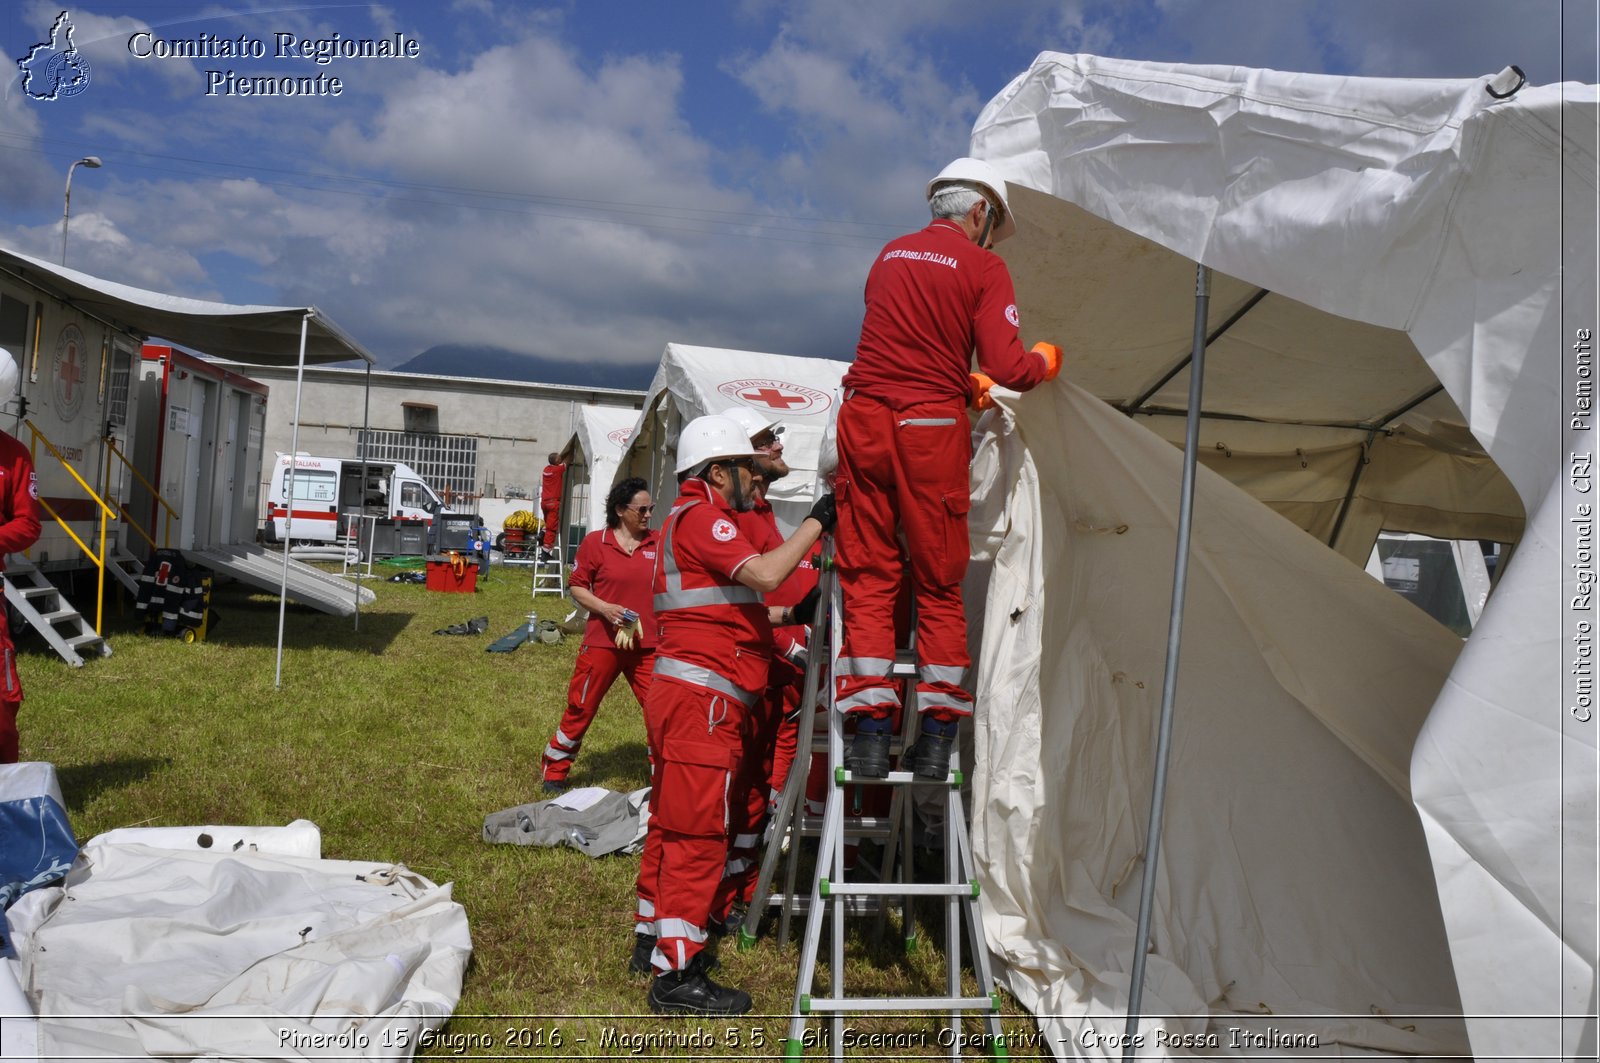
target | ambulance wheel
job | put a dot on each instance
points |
(189, 634)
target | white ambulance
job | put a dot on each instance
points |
(330, 494)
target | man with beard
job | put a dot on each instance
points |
(712, 658)
(770, 741)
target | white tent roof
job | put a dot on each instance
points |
(801, 393)
(1464, 224)
(260, 335)
(601, 435)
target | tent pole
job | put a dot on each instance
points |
(364, 445)
(1180, 574)
(288, 495)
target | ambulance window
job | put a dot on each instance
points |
(414, 495)
(311, 485)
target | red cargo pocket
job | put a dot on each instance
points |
(951, 565)
(689, 792)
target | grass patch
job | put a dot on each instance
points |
(397, 743)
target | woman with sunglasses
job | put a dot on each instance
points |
(615, 567)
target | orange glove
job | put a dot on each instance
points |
(1052, 359)
(978, 385)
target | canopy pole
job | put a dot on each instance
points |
(1180, 576)
(288, 520)
(364, 445)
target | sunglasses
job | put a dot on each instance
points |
(643, 510)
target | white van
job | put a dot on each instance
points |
(330, 492)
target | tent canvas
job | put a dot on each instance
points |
(597, 443)
(1432, 209)
(801, 393)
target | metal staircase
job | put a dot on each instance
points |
(835, 895)
(47, 610)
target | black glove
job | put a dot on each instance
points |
(824, 512)
(806, 609)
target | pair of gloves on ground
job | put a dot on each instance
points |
(980, 383)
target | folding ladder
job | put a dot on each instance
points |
(833, 896)
(549, 576)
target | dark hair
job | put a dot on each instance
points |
(620, 496)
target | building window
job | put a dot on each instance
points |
(448, 464)
(421, 418)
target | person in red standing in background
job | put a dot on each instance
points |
(550, 484)
(933, 298)
(612, 579)
(19, 529)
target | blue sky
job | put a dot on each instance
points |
(591, 180)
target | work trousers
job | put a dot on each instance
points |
(903, 472)
(696, 740)
(596, 670)
(10, 696)
(552, 521)
(755, 791)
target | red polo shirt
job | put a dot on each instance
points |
(611, 574)
(933, 297)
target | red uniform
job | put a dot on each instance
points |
(613, 575)
(550, 502)
(19, 529)
(932, 298)
(711, 666)
(770, 738)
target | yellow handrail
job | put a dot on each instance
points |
(99, 558)
(166, 530)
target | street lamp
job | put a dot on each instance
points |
(91, 161)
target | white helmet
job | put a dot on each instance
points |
(708, 438)
(10, 376)
(751, 421)
(976, 173)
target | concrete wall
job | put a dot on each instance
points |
(516, 424)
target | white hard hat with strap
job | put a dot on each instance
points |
(979, 175)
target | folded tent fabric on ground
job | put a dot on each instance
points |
(1399, 268)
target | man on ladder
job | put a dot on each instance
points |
(904, 443)
(715, 643)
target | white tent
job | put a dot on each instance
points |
(693, 381)
(1405, 273)
(596, 446)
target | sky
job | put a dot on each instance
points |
(591, 180)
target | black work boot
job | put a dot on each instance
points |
(643, 946)
(690, 992)
(868, 755)
(929, 757)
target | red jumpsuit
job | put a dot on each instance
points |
(770, 740)
(19, 529)
(550, 502)
(609, 572)
(712, 657)
(932, 298)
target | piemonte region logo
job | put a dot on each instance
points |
(54, 69)
(69, 370)
(776, 396)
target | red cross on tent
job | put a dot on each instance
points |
(774, 398)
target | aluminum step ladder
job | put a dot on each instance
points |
(49, 613)
(549, 575)
(834, 896)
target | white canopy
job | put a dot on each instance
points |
(597, 442)
(800, 393)
(1408, 234)
(260, 335)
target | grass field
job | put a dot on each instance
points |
(397, 742)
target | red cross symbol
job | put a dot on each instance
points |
(70, 372)
(774, 398)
